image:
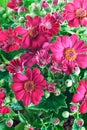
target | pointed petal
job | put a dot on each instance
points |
(83, 107)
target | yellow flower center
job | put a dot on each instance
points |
(81, 13)
(70, 54)
(33, 32)
(29, 86)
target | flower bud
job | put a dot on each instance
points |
(2, 10)
(4, 15)
(77, 70)
(28, 127)
(65, 114)
(21, 19)
(73, 108)
(56, 121)
(57, 92)
(9, 122)
(55, 2)
(46, 94)
(82, 128)
(80, 122)
(68, 82)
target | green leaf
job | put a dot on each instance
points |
(75, 127)
(19, 127)
(22, 118)
(53, 103)
(43, 128)
(4, 127)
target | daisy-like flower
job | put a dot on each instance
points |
(81, 96)
(29, 58)
(32, 36)
(12, 41)
(43, 57)
(76, 13)
(29, 87)
(71, 51)
(15, 66)
(49, 25)
(3, 37)
(16, 5)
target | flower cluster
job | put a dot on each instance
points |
(44, 61)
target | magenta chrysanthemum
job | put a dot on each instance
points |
(15, 66)
(29, 87)
(76, 13)
(32, 36)
(50, 25)
(81, 96)
(70, 51)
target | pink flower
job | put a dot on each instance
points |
(70, 51)
(58, 16)
(3, 37)
(12, 41)
(16, 5)
(29, 87)
(76, 13)
(44, 4)
(29, 58)
(81, 96)
(50, 87)
(49, 25)
(58, 66)
(5, 110)
(2, 93)
(32, 36)
(15, 66)
(55, 2)
(43, 57)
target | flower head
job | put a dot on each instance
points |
(5, 110)
(70, 51)
(12, 41)
(29, 87)
(49, 25)
(81, 96)
(15, 66)
(32, 36)
(76, 13)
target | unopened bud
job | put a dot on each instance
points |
(73, 108)
(68, 82)
(57, 92)
(46, 94)
(80, 122)
(9, 122)
(65, 114)
(82, 128)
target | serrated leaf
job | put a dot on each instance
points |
(53, 103)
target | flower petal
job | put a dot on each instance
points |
(36, 96)
(26, 99)
(82, 60)
(20, 94)
(29, 73)
(17, 86)
(83, 107)
(77, 97)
